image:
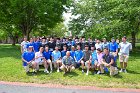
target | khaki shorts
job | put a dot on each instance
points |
(64, 67)
(123, 58)
(113, 70)
(27, 68)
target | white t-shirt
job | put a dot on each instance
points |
(38, 54)
(23, 45)
(125, 48)
(98, 46)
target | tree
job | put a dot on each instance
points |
(30, 15)
(108, 18)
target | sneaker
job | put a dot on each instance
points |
(58, 70)
(87, 73)
(121, 70)
(125, 71)
(51, 71)
(34, 73)
(98, 72)
(82, 71)
(46, 71)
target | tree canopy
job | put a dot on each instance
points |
(29, 15)
(106, 18)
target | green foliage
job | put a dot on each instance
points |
(106, 18)
(30, 15)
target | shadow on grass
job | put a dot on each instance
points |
(132, 72)
(70, 74)
(10, 51)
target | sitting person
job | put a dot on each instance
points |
(86, 59)
(67, 63)
(39, 59)
(108, 61)
(28, 59)
(99, 62)
(47, 55)
(78, 57)
(56, 58)
(93, 59)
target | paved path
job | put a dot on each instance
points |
(16, 87)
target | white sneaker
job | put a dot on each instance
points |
(121, 70)
(51, 71)
(87, 73)
(82, 71)
(98, 72)
(58, 70)
(46, 71)
(125, 71)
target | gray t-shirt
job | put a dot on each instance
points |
(87, 55)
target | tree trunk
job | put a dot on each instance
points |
(133, 34)
(14, 41)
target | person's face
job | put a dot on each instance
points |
(98, 52)
(86, 48)
(113, 40)
(78, 47)
(41, 49)
(123, 39)
(46, 48)
(92, 48)
(37, 39)
(83, 39)
(105, 51)
(51, 39)
(30, 49)
(56, 48)
(65, 48)
(68, 54)
(98, 41)
(104, 40)
(25, 39)
(31, 40)
(43, 40)
(73, 48)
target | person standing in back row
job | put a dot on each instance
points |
(125, 48)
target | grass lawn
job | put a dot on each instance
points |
(11, 70)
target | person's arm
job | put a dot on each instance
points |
(103, 62)
(116, 48)
(130, 47)
(112, 61)
(52, 57)
(81, 57)
(24, 60)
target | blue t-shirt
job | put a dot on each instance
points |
(30, 44)
(28, 56)
(63, 53)
(113, 47)
(37, 46)
(94, 56)
(72, 53)
(79, 55)
(56, 55)
(47, 55)
(105, 45)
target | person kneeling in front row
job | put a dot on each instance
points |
(28, 59)
(108, 61)
(67, 63)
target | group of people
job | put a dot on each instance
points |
(67, 54)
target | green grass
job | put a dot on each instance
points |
(11, 70)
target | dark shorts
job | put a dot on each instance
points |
(77, 65)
